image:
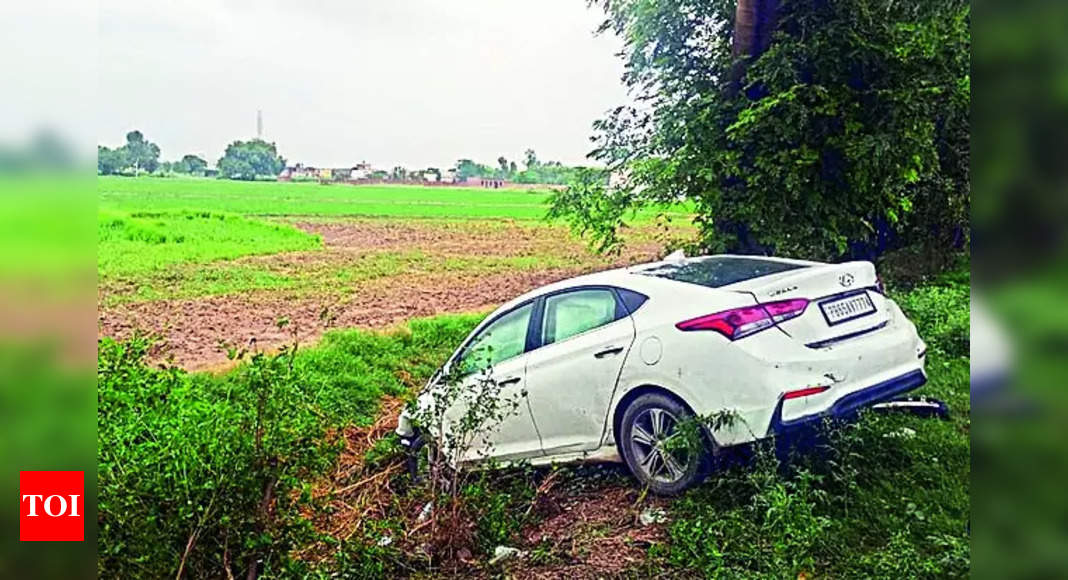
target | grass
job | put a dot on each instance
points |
(143, 242)
(312, 199)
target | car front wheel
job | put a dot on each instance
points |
(662, 445)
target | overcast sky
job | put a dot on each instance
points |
(411, 82)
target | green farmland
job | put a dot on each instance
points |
(204, 261)
(152, 224)
(312, 199)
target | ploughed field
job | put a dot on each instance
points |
(205, 265)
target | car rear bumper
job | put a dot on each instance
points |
(847, 406)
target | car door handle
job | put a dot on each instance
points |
(608, 351)
(508, 381)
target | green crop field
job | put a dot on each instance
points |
(142, 241)
(312, 199)
(162, 238)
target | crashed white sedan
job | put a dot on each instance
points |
(609, 365)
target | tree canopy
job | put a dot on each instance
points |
(140, 154)
(109, 161)
(466, 168)
(847, 134)
(536, 171)
(247, 160)
(137, 155)
(192, 164)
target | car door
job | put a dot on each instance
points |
(584, 337)
(492, 367)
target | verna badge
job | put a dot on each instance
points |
(846, 280)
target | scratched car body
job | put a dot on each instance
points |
(610, 365)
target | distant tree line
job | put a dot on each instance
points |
(534, 170)
(246, 160)
(189, 164)
(257, 159)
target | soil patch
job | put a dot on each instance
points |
(195, 333)
(372, 274)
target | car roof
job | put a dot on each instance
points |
(625, 278)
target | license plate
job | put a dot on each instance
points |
(847, 308)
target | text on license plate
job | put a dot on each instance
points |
(848, 308)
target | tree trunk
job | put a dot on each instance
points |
(745, 19)
(754, 22)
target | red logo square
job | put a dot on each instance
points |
(51, 506)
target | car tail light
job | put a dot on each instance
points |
(740, 322)
(804, 392)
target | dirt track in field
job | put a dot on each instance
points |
(195, 332)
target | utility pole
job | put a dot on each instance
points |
(259, 124)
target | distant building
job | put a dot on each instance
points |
(487, 182)
(298, 171)
(361, 171)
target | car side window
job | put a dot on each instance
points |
(631, 299)
(501, 340)
(576, 312)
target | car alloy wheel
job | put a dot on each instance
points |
(657, 447)
(651, 437)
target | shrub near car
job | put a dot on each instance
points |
(612, 364)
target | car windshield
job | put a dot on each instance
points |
(716, 271)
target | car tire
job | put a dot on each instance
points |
(654, 417)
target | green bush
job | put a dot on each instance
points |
(210, 472)
(942, 316)
(194, 471)
(751, 523)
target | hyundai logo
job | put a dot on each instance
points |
(846, 280)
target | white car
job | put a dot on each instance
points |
(607, 365)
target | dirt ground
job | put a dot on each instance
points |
(435, 267)
(585, 520)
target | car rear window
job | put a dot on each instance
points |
(717, 271)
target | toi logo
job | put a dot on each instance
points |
(51, 506)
